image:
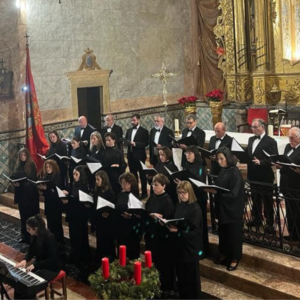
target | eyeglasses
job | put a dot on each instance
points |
(181, 192)
(255, 127)
(189, 123)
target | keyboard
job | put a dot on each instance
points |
(19, 278)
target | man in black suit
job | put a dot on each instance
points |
(193, 130)
(221, 139)
(139, 140)
(112, 127)
(159, 136)
(290, 185)
(260, 169)
(83, 132)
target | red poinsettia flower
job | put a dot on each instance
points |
(187, 100)
(215, 95)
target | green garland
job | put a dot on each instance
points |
(121, 285)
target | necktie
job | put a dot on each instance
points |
(257, 137)
(190, 130)
(134, 127)
(157, 130)
(218, 139)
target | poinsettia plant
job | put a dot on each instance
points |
(187, 100)
(215, 95)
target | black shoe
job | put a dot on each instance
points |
(223, 261)
(253, 223)
(232, 268)
(270, 229)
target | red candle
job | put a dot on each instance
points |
(138, 272)
(105, 267)
(122, 256)
(148, 259)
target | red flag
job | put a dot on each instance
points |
(36, 141)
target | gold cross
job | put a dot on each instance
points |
(163, 75)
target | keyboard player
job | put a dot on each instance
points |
(44, 249)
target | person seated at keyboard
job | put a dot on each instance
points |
(43, 249)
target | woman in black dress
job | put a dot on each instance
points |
(165, 160)
(157, 237)
(59, 147)
(53, 204)
(194, 164)
(112, 159)
(26, 192)
(43, 248)
(188, 244)
(77, 152)
(229, 209)
(129, 229)
(97, 145)
(77, 216)
(104, 221)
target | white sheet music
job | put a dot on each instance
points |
(60, 193)
(134, 202)
(77, 160)
(94, 167)
(177, 157)
(84, 197)
(201, 184)
(103, 203)
(143, 166)
(235, 146)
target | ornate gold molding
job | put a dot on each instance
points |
(244, 89)
(224, 33)
(259, 90)
(89, 61)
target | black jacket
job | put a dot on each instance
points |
(189, 242)
(230, 205)
(164, 139)
(141, 140)
(225, 142)
(289, 178)
(198, 134)
(89, 129)
(262, 172)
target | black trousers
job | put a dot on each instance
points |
(105, 246)
(163, 258)
(136, 168)
(293, 215)
(54, 224)
(132, 242)
(27, 211)
(262, 195)
(188, 276)
(79, 239)
(231, 240)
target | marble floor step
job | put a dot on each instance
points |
(216, 290)
(12, 215)
(265, 260)
(265, 285)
